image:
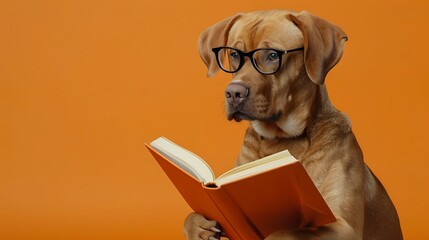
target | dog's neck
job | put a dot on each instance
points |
(294, 125)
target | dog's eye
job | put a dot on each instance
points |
(234, 56)
(273, 57)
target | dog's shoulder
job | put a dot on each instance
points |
(330, 125)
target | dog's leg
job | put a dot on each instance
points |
(342, 186)
(339, 230)
(197, 227)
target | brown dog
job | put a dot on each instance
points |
(280, 90)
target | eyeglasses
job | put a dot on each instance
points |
(265, 60)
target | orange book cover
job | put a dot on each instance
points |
(253, 206)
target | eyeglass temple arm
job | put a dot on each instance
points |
(294, 50)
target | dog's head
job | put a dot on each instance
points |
(274, 88)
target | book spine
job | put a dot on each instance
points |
(237, 226)
(190, 188)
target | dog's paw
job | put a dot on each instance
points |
(197, 227)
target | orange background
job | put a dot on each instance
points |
(83, 84)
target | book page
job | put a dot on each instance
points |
(184, 159)
(252, 168)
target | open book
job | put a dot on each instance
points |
(250, 201)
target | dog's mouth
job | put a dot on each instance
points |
(239, 115)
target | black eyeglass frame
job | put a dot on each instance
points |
(250, 56)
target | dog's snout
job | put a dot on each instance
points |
(236, 93)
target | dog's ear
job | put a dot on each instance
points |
(214, 36)
(323, 44)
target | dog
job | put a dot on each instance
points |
(279, 61)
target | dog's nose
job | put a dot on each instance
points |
(236, 93)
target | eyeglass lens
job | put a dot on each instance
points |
(229, 59)
(266, 60)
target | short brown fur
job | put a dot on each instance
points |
(291, 110)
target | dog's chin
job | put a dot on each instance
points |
(238, 116)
